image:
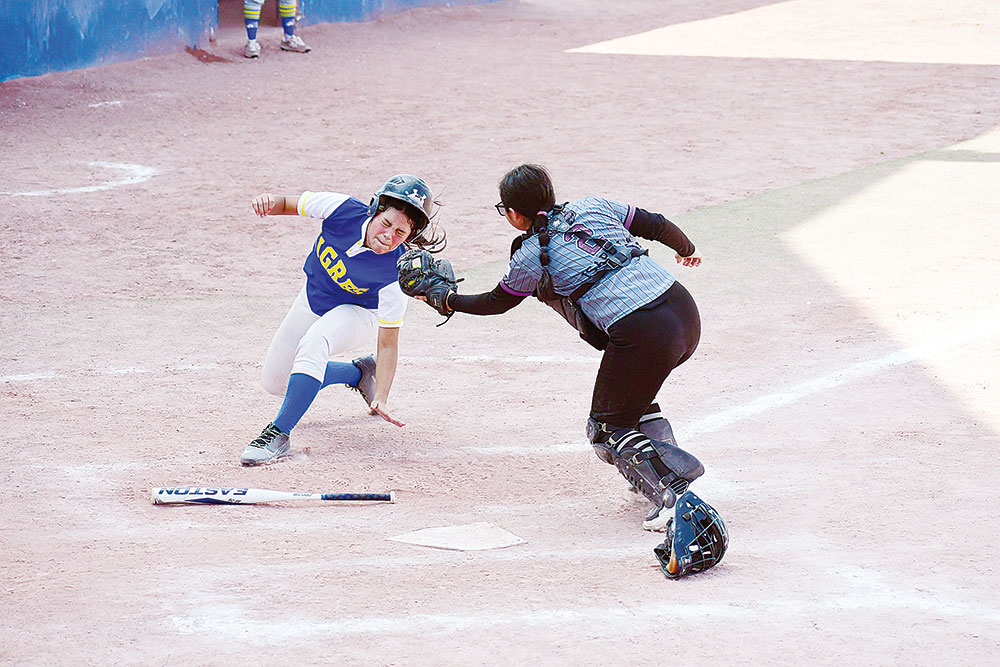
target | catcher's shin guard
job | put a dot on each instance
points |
(655, 425)
(659, 471)
(697, 538)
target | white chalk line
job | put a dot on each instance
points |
(126, 370)
(228, 620)
(494, 359)
(28, 377)
(135, 173)
(853, 588)
(983, 327)
(222, 619)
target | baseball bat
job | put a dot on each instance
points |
(201, 495)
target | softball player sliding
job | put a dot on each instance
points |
(350, 298)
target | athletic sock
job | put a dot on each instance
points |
(301, 392)
(287, 12)
(341, 372)
(251, 17)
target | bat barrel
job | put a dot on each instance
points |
(387, 497)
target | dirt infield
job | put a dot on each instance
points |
(843, 398)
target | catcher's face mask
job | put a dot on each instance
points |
(696, 538)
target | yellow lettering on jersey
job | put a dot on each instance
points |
(336, 270)
(326, 259)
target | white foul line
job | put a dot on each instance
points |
(985, 326)
(135, 173)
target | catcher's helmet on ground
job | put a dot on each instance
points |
(411, 190)
(696, 538)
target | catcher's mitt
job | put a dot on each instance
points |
(696, 538)
(422, 275)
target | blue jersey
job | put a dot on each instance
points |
(340, 269)
(574, 260)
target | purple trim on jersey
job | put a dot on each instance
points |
(510, 291)
(628, 218)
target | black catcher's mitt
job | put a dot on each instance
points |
(422, 275)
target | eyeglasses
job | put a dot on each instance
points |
(501, 209)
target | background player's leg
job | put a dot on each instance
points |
(290, 41)
(251, 18)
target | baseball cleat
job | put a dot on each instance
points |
(295, 43)
(658, 518)
(252, 49)
(268, 447)
(366, 385)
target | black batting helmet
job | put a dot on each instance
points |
(411, 190)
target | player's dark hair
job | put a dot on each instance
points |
(429, 237)
(528, 190)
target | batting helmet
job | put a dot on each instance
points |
(411, 190)
(696, 538)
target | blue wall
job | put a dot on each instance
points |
(321, 11)
(40, 36)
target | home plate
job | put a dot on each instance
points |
(471, 537)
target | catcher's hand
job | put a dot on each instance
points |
(420, 275)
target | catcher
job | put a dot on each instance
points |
(583, 259)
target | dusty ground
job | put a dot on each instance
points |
(843, 398)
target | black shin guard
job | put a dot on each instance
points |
(655, 425)
(660, 471)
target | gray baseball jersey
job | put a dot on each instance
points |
(574, 260)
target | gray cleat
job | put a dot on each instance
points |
(366, 385)
(658, 518)
(294, 43)
(270, 446)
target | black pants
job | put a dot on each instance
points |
(645, 346)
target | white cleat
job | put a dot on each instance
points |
(295, 44)
(252, 49)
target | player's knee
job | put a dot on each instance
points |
(274, 385)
